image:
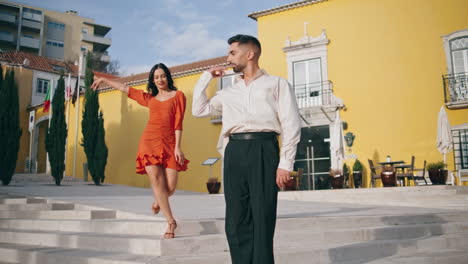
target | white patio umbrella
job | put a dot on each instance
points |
(444, 136)
(337, 143)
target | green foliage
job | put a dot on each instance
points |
(10, 131)
(357, 165)
(439, 165)
(57, 133)
(345, 168)
(93, 129)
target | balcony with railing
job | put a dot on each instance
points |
(456, 90)
(8, 18)
(7, 37)
(97, 39)
(314, 94)
(29, 42)
(31, 24)
(103, 56)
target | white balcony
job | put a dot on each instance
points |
(8, 18)
(103, 56)
(31, 24)
(7, 38)
(32, 16)
(30, 42)
(97, 39)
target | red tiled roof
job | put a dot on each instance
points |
(178, 70)
(36, 62)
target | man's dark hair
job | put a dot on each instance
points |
(245, 39)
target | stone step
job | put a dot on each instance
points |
(37, 207)
(196, 227)
(306, 254)
(22, 200)
(448, 256)
(185, 245)
(115, 226)
(58, 214)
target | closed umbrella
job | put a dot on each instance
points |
(337, 142)
(444, 136)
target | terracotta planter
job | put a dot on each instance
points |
(337, 182)
(357, 178)
(438, 177)
(388, 178)
(213, 187)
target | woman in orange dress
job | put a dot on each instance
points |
(159, 151)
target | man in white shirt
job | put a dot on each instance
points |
(255, 109)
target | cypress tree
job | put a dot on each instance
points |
(93, 129)
(10, 131)
(57, 133)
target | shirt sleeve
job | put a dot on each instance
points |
(201, 105)
(141, 97)
(288, 114)
(180, 111)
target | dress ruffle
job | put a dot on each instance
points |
(160, 159)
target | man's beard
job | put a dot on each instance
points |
(238, 68)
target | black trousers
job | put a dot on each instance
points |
(251, 193)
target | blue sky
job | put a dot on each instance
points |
(145, 32)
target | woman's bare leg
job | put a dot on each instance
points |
(159, 187)
(171, 184)
(171, 179)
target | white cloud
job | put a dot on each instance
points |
(135, 69)
(191, 41)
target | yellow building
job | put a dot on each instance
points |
(385, 67)
(394, 63)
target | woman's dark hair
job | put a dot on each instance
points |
(152, 86)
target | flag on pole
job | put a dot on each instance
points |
(47, 100)
(68, 91)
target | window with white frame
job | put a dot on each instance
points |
(307, 82)
(459, 52)
(456, 79)
(56, 26)
(55, 43)
(84, 30)
(42, 86)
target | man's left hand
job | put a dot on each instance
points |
(282, 177)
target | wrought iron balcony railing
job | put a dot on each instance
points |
(456, 89)
(314, 94)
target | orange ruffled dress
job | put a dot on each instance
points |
(157, 143)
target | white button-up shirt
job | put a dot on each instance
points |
(267, 104)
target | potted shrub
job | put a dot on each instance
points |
(336, 178)
(388, 176)
(437, 172)
(213, 185)
(346, 175)
(357, 173)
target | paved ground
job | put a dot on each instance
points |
(186, 205)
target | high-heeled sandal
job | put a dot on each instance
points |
(155, 207)
(171, 234)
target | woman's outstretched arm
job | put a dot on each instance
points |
(114, 84)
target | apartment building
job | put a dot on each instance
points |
(56, 35)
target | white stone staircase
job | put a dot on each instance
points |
(36, 230)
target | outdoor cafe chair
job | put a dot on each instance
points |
(401, 176)
(420, 175)
(373, 170)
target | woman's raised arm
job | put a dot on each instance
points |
(114, 84)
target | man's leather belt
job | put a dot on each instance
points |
(252, 135)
